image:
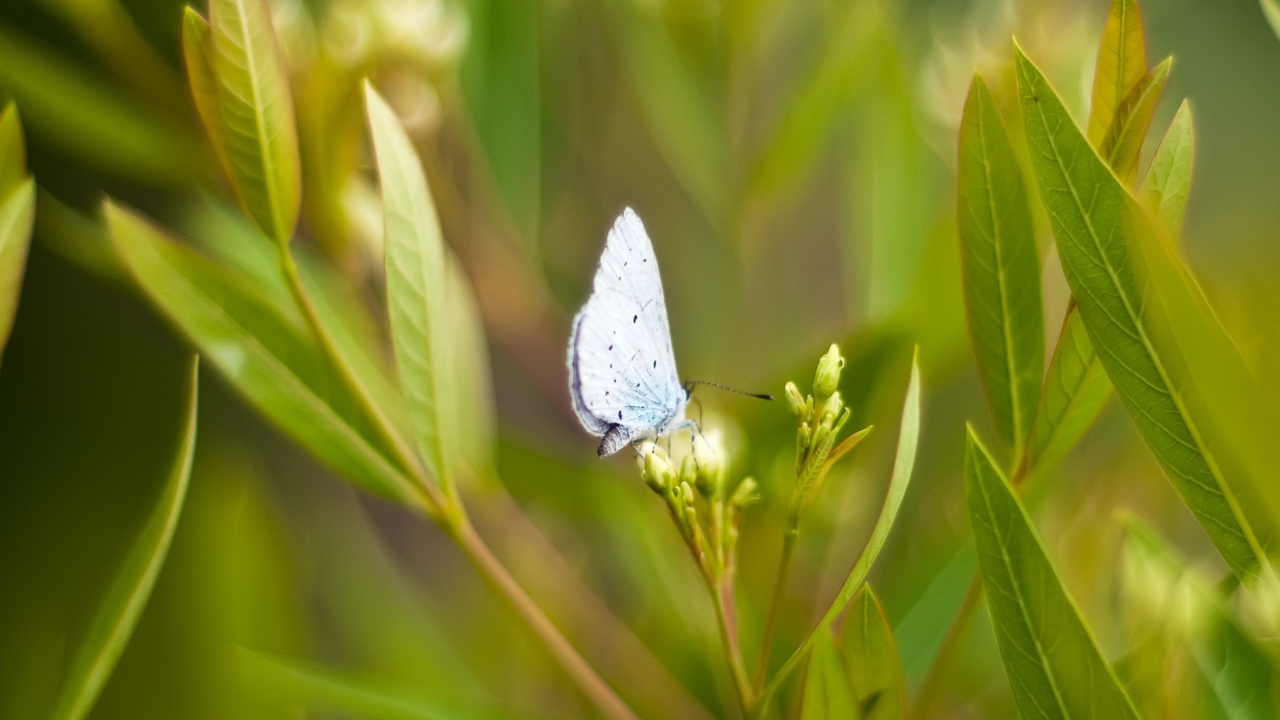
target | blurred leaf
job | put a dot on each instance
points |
(1271, 8)
(197, 52)
(1123, 141)
(116, 618)
(1093, 219)
(1054, 665)
(73, 111)
(1076, 389)
(500, 79)
(871, 657)
(827, 692)
(469, 391)
(76, 238)
(256, 114)
(1168, 180)
(1001, 268)
(687, 127)
(416, 292)
(318, 689)
(13, 152)
(16, 215)
(265, 353)
(1122, 62)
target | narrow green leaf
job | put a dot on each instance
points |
(197, 52)
(1094, 219)
(1001, 268)
(1054, 665)
(500, 79)
(1271, 9)
(16, 215)
(1122, 61)
(1076, 389)
(118, 614)
(65, 106)
(1123, 141)
(469, 392)
(416, 289)
(262, 348)
(1168, 180)
(827, 692)
(256, 114)
(871, 657)
(13, 152)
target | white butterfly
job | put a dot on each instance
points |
(622, 371)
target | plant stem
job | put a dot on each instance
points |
(500, 580)
(923, 707)
(770, 625)
(726, 616)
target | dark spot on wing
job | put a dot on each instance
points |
(619, 414)
(610, 347)
(634, 318)
(655, 364)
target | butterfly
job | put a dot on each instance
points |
(622, 370)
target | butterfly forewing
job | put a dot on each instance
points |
(622, 369)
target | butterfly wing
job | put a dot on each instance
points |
(622, 371)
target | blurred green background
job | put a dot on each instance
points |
(793, 161)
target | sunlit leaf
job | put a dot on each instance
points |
(1168, 180)
(16, 215)
(197, 52)
(13, 152)
(1076, 389)
(118, 614)
(66, 107)
(416, 288)
(1122, 61)
(1271, 9)
(827, 692)
(265, 352)
(871, 657)
(1054, 665)
(1001, 268)
(1124, 138)
(1094, 219)
(256, 114)
(500, 78)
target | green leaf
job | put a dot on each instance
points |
(197, 52)
(1122, 61)
(1271, 9)
(65, 106)
(871, 657)
(118, 614)
(13, 152)
(827, 692)
(263, 349)
(16, 215)
(1054, 665)
(1001, 268)
(316, 688)
(1168, 180)
(1076, 389)
(469, 391)
(1094, 220)
(500, 79)
(1124, 138)
(416, 289)
(256, 114)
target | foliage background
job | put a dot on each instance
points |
(794, 163)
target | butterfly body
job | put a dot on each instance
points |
(622, 369)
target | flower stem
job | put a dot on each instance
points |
(726, 616)
(771, 623)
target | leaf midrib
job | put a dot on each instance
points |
(259, 119)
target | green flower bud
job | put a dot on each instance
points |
(657, 472)
(796, 403)
(745, 494)
(803, 437)
(820, 435)
(827, 378)
(833, 407)
(709, 462)
(688, 471)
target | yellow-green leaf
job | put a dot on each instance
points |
(827, 693)
(1054, 665)
(1168, 180)
(264, 350)
(1124, 138)
(1098, 225)
(16, 215)
(1001, 268)
(118, 614)
(416, 284)
(256, 111)
(197, 52)
(13, 152)
(871, 657)
(1122, 61)
(1076, 389)
(1271, 9)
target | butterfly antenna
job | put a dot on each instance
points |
(689, 385)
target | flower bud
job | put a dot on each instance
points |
(709, 462)
(796, 403)
(657, 472)
(688, 471)
(832, 408)
(820, 435)
(827, 378)
(803, 437)
(745, 494)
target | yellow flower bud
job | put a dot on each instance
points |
(827, 378)
(657, 472)
(796, 403)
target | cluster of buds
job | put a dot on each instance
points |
(819, 419)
